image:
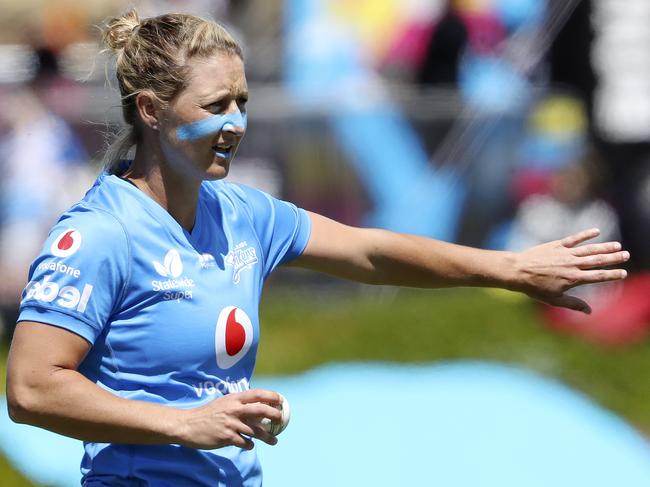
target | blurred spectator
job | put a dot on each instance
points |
(43, 170)
(621, 311)
(445, 49)
(560, 189)
(466, 25)
(557, 166)
(571, 205)
(559, 181)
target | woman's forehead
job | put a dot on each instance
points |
(219, 73)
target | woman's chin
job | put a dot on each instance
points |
(218, 170)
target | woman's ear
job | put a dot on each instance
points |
(148, 106)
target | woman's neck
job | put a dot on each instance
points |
(176, 194)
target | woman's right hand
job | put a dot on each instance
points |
(224, 420)
(545, 272)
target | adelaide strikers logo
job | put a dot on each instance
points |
(233, 336)
(67, 243)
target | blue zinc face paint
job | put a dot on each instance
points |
(211, 125)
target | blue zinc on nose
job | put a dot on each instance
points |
(212, 125)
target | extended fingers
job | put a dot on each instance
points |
(603, 260)
(599, 248)
(602, 275)
(578, 238)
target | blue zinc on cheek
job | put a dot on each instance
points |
(211, 125)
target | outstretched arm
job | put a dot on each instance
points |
(544, 272)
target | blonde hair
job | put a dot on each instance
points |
(152, 54)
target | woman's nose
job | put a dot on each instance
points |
(235, 122)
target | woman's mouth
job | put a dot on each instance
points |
(222, 151)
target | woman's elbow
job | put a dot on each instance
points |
(22, 401)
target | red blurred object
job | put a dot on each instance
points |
(410, 47)
(485, 29)
(530, 181)
(620, 313)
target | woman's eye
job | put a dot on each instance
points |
(220, 107)
(214, 108)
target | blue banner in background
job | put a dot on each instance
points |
(460, 424)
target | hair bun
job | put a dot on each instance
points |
(119, 30)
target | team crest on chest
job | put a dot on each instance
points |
(240, 258)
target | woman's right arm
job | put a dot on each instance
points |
(44, 389)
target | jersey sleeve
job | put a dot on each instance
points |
(282, 228)
(80, 276)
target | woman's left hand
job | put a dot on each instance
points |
(545, 272)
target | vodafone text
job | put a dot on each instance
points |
(58, 267)
(221, 386)
(68, 296)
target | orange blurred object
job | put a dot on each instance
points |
(63, 23)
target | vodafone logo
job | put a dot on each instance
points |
(67, 243)
(233, 337)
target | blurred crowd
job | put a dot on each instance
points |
(525, 144)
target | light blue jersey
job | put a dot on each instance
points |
(172, 315)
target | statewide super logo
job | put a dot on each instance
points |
(233, 336)
(67, 243)
(172, 265)
(174, 287)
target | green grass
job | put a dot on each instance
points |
(303, 331)
(306, 328)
